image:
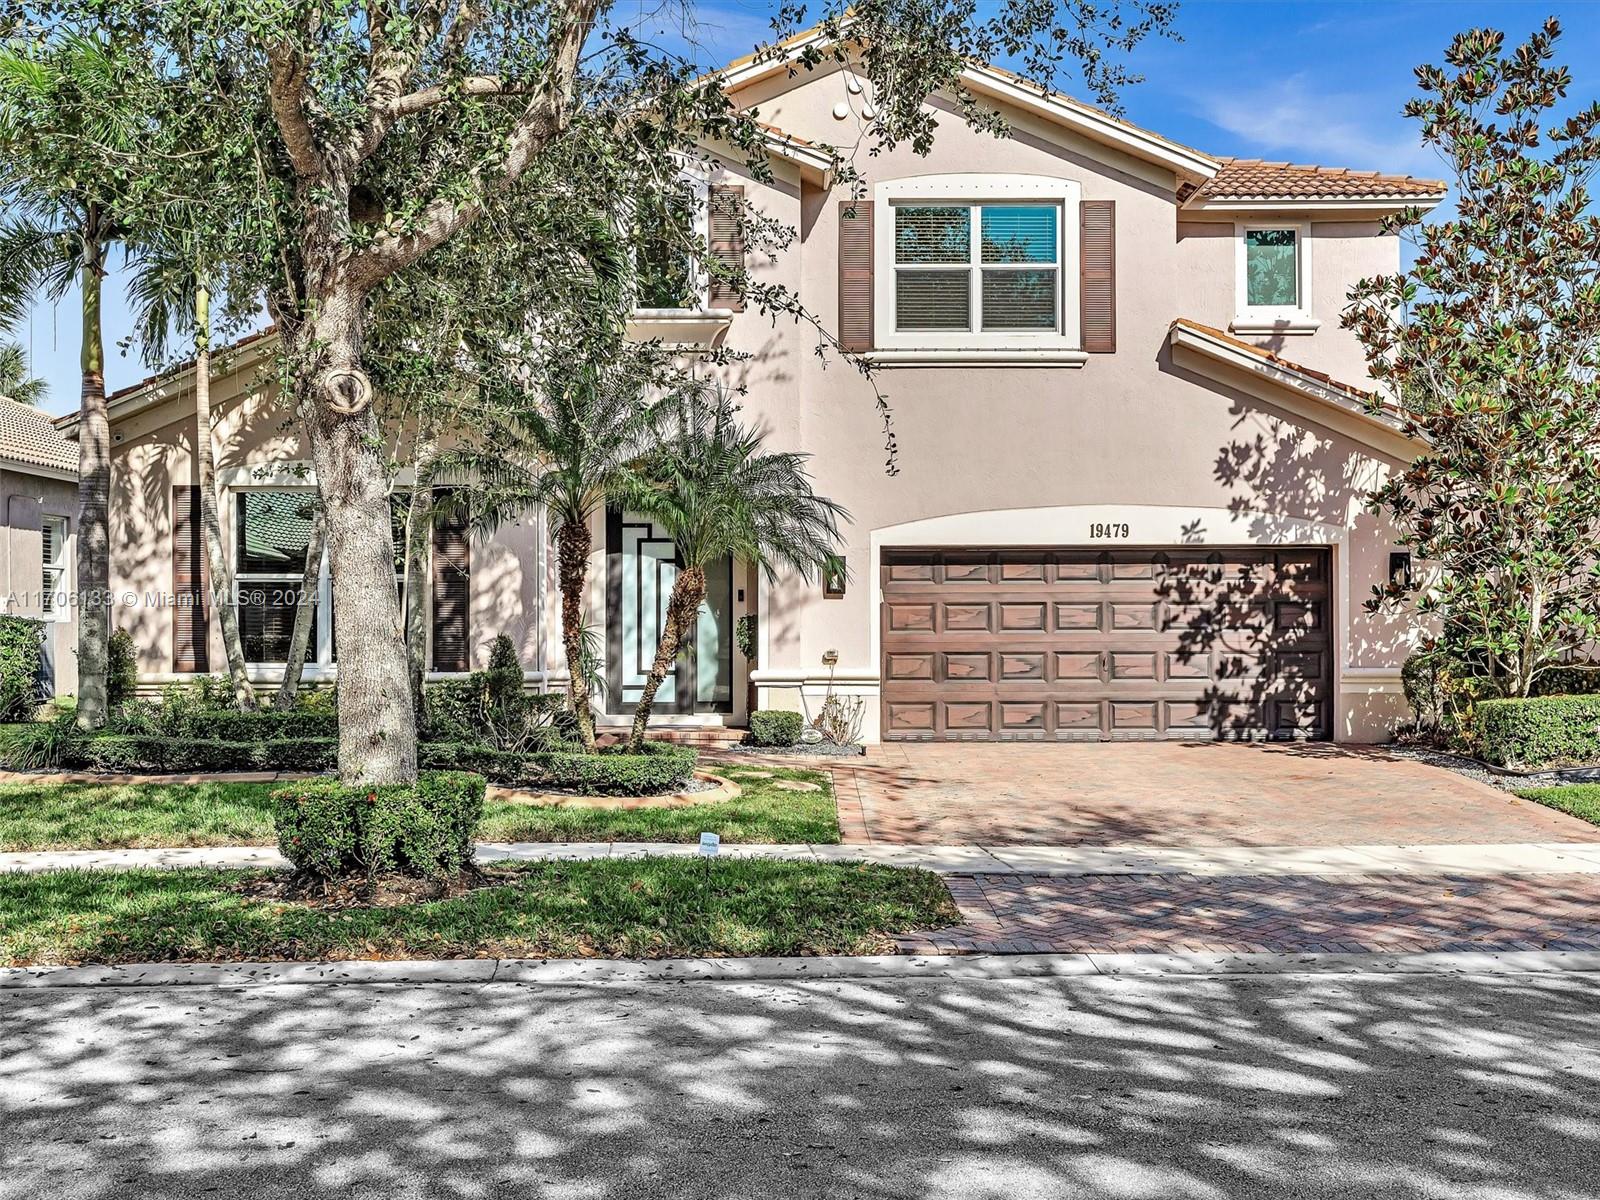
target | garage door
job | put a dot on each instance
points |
(1081, 644)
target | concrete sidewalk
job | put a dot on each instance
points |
(1491, 859)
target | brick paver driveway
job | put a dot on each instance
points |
(1185, 794)
(1388, 913)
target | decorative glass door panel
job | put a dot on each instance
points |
(642, 566)
(648, 572)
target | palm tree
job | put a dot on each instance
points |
(70, 111)
(566, 435)
(15, 381)
(170, 292)
(719, 494)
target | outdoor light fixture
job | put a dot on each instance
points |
(1400, 568)
(833, 577)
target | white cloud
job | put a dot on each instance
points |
(1293, 118)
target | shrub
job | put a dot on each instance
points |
(329, 831)
(153, 753)
(774, 727)
(1576, 679)
(1540, 732)
(122, 668)
(611, 771)
(21, 667)
(39, 746)
(223, 725)
(492, 707)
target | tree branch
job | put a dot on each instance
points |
(286, 90)
(543, 121)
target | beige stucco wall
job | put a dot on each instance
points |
(1045, 451)
(25, 500)
(259, 444)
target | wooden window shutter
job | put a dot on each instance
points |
(191, 583)
(1097, 275)
(855, 274)
(725, 238)
(451, 592)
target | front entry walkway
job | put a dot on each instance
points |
(1175, 794)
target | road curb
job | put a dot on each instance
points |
(587, 972)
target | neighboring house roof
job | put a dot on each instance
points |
(1335, 402)
(29, 438)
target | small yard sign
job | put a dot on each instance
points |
(709, 843)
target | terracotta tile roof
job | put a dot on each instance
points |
(1253, 179)
(1321, 377)
(29, 436)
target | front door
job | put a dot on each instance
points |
(642, 565)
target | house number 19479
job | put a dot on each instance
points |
(1099, 529)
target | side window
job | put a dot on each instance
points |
(1273, 280)
(53, 584)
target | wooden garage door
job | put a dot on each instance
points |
(1082, 644)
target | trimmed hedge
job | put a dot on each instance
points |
(1542, 732)
(329, 831)
(138, 753)
(1568, 681)
(774, 727)
(663, 767)
(224, 724)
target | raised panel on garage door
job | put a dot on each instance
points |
(1079, 643)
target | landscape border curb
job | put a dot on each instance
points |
(978, 967)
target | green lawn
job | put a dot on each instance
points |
(765, 813)
(60, 816)
(1582, 800)
(652, 908)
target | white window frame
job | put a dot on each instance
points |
(974, 191)
(57, 571)
(1294, 318)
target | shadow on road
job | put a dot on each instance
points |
(1205, 1088)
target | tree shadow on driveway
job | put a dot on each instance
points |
(1219, 1088)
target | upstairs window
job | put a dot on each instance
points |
(1272, 268)
(978, 268)
(668, 276)
(1273, 283)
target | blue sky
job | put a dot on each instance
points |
(1319, 82)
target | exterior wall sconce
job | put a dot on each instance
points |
(1400, 568)
(833, 577)
(830, 658)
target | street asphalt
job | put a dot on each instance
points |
(1359, 1086)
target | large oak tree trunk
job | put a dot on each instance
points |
(683, 609)
(304, 610)
(221, 578)
(94, 492)
(572, 558)
(377, 728)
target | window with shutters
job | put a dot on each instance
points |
(665, 226)
(976, 261)
(979, 268)
(272, 530)
(54, 601)
(1273, 279)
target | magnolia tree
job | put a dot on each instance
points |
(1488, 349)
(387, 130)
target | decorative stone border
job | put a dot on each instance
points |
(724, 791)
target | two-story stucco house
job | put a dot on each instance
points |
(1133, 445)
